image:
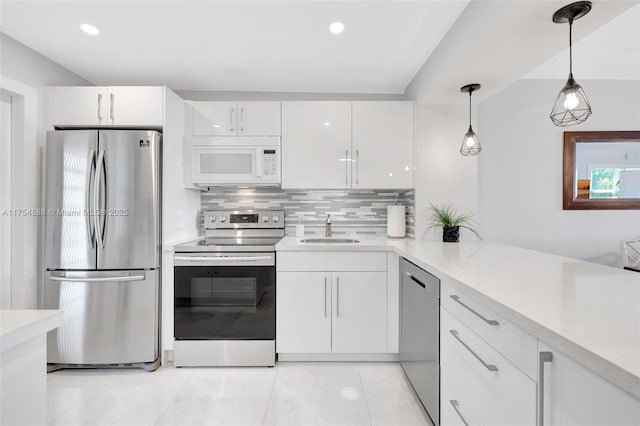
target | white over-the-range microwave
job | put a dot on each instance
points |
(226, 161)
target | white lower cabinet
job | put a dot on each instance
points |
(322, 307)
(360, 314)
(331, 312)
(303, 312)
(573, 395)
(485, 385)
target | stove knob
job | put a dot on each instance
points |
(265, 218)
(275, 218)
(223, 219)
(212, 218)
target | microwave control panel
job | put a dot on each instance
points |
(270, 162)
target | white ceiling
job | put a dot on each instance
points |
(496, 43)
(237, 45)
(611, 52)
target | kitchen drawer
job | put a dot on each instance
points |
(331, 261)
(512, 342)
(485, 384)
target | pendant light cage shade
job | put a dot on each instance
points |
(470, 144)
(572, 105)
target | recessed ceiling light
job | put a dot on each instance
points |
(326, 124)
(336, 28)
(90, 29)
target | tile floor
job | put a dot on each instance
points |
(328, 394)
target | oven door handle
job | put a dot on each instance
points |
(222, 258)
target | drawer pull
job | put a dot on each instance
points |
(489, 367)
(488, 321)
(456, 406)
(544, 357)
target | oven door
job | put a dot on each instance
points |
(224, 296)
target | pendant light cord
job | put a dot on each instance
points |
(470, 108)
(570, 47)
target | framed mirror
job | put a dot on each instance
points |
(601, 170)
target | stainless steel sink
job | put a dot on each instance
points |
(330, 240)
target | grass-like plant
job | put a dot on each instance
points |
(447, 216)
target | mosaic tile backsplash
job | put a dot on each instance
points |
(353, 212)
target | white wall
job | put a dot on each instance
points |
(23, 74)
(27, 66)
(443, 175)
(520, 170)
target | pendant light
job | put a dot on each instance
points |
(470, 144)
(572, 105)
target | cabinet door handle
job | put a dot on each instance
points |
(338, 297)
(489, 367)
(231, 119)
(325, 297)
(99, 106)
(242, 119)
(112, 101)
(488, 321)
(456, 406)
(346, 167)
(543, 357)
(357, 167)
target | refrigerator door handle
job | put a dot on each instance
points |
(91, 230)
(98, 279)
(97, 214)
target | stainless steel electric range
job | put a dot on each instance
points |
(224, 291)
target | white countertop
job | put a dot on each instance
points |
(19, 326)
(588, 311)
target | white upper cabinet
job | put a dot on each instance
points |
(80, 106)
(108, 106)
(135, 106)
(214, 118)
(316, 144)
(347, 144)
(236, 118)
(259, 118)
(382, 144)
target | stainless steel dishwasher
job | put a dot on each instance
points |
(420, 334)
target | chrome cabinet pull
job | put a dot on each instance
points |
(346, 167)
(231, 119)
(488, 321)
(357, 167)
(489, 367)
(242, 119)
(325, 297)
(456, 406)
(338, 297)
(112, 101)
(99, 106)
(543, 357)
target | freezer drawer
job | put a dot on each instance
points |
(109, 317)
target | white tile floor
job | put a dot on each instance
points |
(328, 394)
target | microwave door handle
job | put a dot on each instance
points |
(259, 163)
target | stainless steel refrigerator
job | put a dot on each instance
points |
(102, 246)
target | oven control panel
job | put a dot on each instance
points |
(248, 219)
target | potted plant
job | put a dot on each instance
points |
(447, 217)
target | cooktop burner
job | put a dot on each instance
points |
(241, 231)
